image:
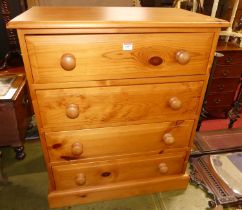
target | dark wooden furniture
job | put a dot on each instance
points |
(156, 3)
(14, 113)
(13, 56)
(224, 84)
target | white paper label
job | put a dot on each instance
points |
(127, 46)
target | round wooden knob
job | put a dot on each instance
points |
(175, 103)
(183, 57)
(155, 60)
(226, 72)
(217, 100)
(220, 86)
(72, 111)
(168, 138)
(228, 60)
(163, 168)
(68, 62)
(77, 149)
(80, 179)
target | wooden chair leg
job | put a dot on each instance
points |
(3, 178)
(19, 151)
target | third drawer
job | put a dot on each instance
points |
(111, 141)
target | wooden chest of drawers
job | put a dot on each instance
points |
(225, 81)
(117, 93)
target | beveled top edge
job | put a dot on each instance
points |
(110, 17)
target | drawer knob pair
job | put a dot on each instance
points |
(77, 149)
(80, 179)
(168, 139)
(183, 57)
(68, 62)
(175, 103)
(163, 168)
(72, 111)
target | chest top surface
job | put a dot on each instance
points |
(103, 17)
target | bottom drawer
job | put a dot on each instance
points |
(120, 170)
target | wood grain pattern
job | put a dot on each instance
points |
(115, 191)
(122, 105)
(115, 141)
(111, 17)
(115, 170)
(101, 57)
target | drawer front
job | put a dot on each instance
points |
(220, 99)
(226, 84)
(223, 71)
(64, 58)
(105, 106)
(230, 58)
(113, 171)
(92, 143)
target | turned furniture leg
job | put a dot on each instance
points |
(234, 112)
(19, 151)
(3, 178)
(203, 116)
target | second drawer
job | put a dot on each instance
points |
(113, 171)
(78, 108)
(94, 143)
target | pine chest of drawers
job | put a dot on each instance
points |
(117, 93)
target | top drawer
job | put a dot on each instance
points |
(61, 58)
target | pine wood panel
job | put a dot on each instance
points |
(102, 56)
(123, 105)
(116, 191)
(112, 171)
(112, 17)
(109, 141)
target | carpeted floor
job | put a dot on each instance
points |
(27, 189)
(218, 124)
